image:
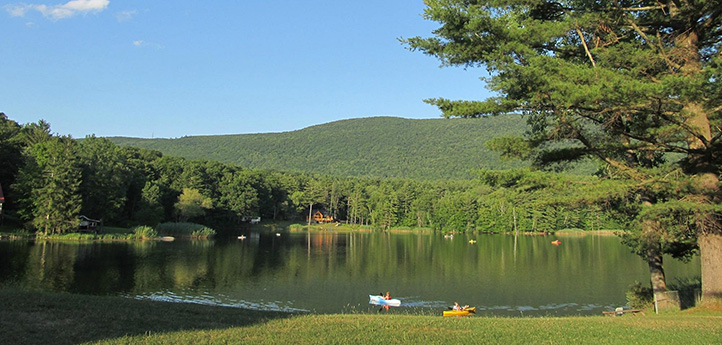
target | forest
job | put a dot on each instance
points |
(370, 147)
(50, 180)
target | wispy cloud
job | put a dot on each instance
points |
(16, 10)
(125, 15)
(142, 43)
(55, 12)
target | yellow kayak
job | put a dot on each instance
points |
(467, 311)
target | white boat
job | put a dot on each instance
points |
(379, 300)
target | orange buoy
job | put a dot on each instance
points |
(556, 242)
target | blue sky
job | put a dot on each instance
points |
(180, 68)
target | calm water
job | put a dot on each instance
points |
(335, 272)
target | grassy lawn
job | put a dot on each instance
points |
(49, 318)
(61, 318)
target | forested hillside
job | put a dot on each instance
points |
(378, 146)
(51, 180)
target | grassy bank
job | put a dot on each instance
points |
(109, 233)
(47, 318)
(337, 227)
(341, 227)
(579, 232)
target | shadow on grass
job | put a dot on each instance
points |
(28, 317)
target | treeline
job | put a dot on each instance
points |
(50, 180)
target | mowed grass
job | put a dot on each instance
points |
(47, 318)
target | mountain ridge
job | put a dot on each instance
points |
(381, 146)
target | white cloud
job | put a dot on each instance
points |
(16, 10)
(125, 15)
(142, 43)
(56, 12)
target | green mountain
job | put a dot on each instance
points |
(377, 146)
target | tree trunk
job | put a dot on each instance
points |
(709, 236)
(653, 251)
(310, 209)
(516, 230)
(656, 268)
(710, 248)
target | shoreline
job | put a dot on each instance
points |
(344, 228)
(123, 234)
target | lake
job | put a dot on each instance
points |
(330, 272)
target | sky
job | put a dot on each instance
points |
(167, 69)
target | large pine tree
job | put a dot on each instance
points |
(632, 83)
(53, 172)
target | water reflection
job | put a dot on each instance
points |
(335, 272)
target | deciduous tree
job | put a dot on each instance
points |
(191, 204)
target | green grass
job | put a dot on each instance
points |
(330, 227)
(192, 230)
(108, 233)
(51, 318)
(116, 230)
(144, 232)
(28, 317)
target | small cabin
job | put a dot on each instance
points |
(322, 217)
(89, 225)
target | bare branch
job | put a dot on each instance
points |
(586, 49)
(646, 8)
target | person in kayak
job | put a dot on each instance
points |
(387, 296)
(458, 307)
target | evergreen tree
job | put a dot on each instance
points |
(626, 82)
(51, 182)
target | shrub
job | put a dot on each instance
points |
(204, 232)
(144, 232)
(186, 229)
(640, 297)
